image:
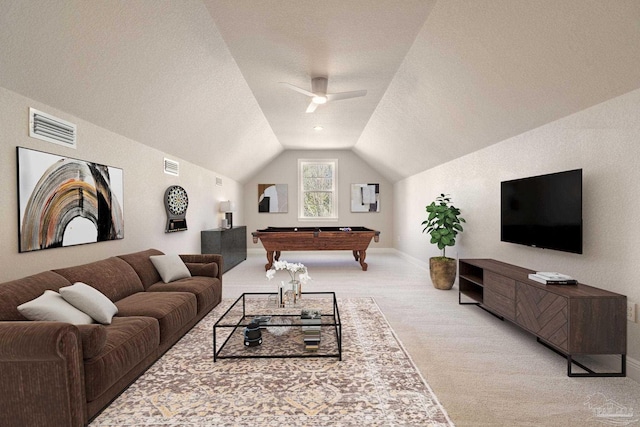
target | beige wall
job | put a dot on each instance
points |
(351, 170)
(144, 186)
(603, 141)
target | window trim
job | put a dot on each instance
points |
(334, 191)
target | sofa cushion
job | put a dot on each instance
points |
(90, 301)
(209, 264)
(129, 340)
(112, 276)
(172, 309)
(209, 269)
(51, 307)
(170, 267)
(19, 291)
(93, 338)
(204, 288)
(142, 264)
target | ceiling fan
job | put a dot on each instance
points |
(319, 93)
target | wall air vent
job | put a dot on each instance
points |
(52, 129)
(218, 181)
(171, 167)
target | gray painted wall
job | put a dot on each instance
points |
(603, 141)
(144, 187)
(351, 170)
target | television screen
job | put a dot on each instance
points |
(543, 211)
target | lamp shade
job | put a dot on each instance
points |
(227, 206)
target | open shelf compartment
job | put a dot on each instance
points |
(471, 283)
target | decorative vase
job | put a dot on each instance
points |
(288, 293)
(296, 287)
(443, 272)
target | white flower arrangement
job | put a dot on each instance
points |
(297, 271)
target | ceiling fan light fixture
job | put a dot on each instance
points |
(319, 95)
(319, 99)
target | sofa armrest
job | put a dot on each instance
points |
(203, 264)
(42, 374)
(93, 338)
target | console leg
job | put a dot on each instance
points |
(589, 372)
(277, 256)
(355, 255)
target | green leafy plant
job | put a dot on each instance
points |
(443, 223)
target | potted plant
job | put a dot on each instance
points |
(443, 224)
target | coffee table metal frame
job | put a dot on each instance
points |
(334, 322)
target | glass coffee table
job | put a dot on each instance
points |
(309, 328)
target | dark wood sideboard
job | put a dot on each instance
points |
(571, 320)
(231, 243)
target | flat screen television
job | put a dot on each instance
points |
(543, 211)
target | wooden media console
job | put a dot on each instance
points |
(569, 319)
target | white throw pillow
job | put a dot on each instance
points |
(170, 267)
(90, 301)
(51, 307)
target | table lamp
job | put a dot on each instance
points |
(228, 207)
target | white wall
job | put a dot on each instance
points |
(603, 141)
(144, 187)
(351, 170)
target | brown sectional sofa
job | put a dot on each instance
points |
(59, 374)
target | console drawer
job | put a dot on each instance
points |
(500, 284)
(500, 304)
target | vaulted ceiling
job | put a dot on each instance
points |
(200, 79)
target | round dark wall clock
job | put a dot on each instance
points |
(176, 202)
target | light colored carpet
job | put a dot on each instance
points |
(375, 384)
(485, 372)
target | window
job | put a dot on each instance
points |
(317, 184)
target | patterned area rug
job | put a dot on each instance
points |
(375, 384)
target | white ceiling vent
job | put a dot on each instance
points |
(52, 129)
(171, 167)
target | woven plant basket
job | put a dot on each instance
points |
(443, 272)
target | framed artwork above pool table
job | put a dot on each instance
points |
(273, 198)
(365, 197)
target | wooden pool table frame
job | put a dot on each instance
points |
(278, 239)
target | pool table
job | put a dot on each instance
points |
(278, 239)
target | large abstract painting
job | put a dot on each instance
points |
(273, 198)
(65, 201)
(365, 197)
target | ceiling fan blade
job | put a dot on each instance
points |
(312, 107)
(298, 89)
(345, 95)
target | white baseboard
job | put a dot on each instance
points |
(633, 369)
(415, 261)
